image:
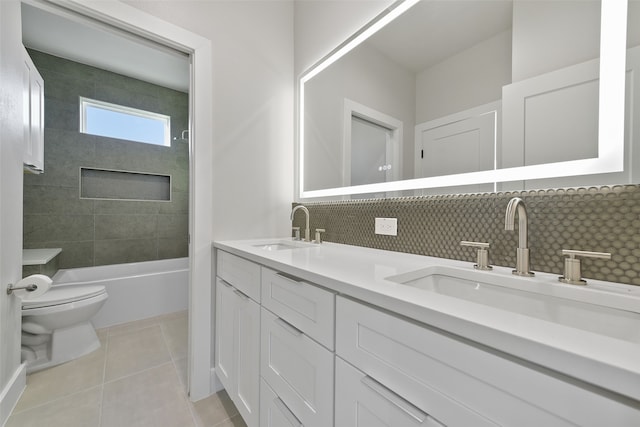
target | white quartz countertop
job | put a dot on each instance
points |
(39, 256)
(610, 363)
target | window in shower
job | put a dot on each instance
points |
(117, 121)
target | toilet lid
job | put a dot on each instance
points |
(64, 294)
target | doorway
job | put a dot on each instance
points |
(134, 23)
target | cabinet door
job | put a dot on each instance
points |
(225, 333)
(33, 116)
(363, 402)
(298, 369)
(247, 372)
(238, 349)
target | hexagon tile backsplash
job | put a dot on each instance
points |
(601, 219)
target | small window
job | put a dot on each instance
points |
(117, 121)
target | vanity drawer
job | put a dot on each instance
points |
(462, 384)
(361, 401)
(273, 411)
(298, 369)
(309, 308)
(241, 274)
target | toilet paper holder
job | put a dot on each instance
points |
(28, 287)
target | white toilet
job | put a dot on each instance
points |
(56, 326)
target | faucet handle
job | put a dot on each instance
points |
(482, 257)
(296, 233)
(572, 274)
(318, 238)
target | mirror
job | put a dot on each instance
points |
(438, 96)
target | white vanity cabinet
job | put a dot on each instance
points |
(295, 353)
(33, 104)
(297, 363)
(361, 401)
(434, 375)
(237, 340)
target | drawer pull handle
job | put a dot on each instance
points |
(289, 278)
(228, 285)
(293, 420)
(288, 327)
(241, 294)
(398, 401)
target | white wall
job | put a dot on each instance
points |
(12, 376)
(253, 99)
(320, 26)
(470, 78)
(368, 78)
(252, 122)
(548, 35)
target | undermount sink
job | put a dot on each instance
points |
(280, 246)
(606, 309)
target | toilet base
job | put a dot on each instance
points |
(64, 344)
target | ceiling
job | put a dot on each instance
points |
(72, 37)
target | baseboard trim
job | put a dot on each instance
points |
(12, 392)
(216, 385)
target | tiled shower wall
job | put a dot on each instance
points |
(99, 232)
(601, 219)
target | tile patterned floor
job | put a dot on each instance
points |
(136, 379)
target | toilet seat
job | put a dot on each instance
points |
(59, 295)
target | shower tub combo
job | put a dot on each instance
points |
(136, 290)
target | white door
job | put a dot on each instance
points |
(370, 162)
(238, 349)
(11, 140)
(247, 384)
(225, 353)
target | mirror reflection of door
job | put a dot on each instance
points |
(371, 161)
(372, 147)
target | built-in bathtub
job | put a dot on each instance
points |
(136, 290)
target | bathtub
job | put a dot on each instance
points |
(136, 290)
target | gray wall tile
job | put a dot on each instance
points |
(601, 219)
(38, 228)
(173, 226)
(125, 226)
(123, 251)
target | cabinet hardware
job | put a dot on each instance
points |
(393, 398)
(289, 327)
(293, 420)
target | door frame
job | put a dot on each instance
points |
(201, 377)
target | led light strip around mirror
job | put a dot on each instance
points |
(610, 158)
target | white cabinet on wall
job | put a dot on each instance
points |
(237, 339)
(33, 103)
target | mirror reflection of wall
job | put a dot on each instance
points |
(471, 54)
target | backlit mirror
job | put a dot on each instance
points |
(451, 96)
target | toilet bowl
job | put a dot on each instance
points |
(56, 326)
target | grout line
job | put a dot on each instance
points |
(40, 405)
(183, 386)
(137, 372)
(104, 375)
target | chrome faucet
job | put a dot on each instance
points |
(306, 211)
(516, 205)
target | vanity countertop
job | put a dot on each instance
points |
(360, 273)
(39, 256)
